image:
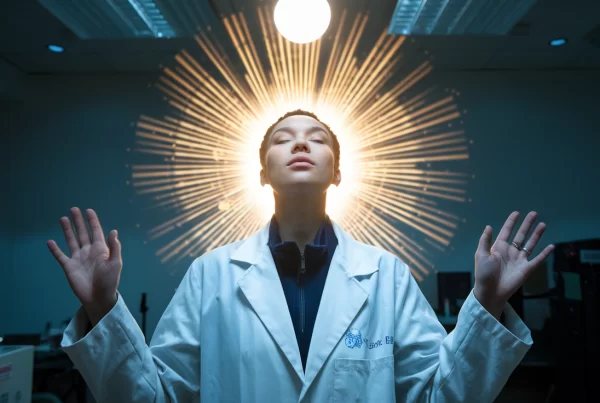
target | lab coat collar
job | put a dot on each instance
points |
(343, 297)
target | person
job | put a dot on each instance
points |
(265, 320)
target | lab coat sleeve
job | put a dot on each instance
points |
(118, 365)
(470, 364)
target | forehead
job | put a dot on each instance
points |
(299, 123)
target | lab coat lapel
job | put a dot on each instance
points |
(343, 298)
(262, 287)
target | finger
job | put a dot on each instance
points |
(97, 233)
(508, 226)
(70, 236)
(485, 242)
(525, 227)
(535, 237)
(541, 257)
(114, 246)
(82, 232)
(58, 254)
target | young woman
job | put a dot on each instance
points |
(300, 311)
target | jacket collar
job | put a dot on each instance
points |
(287, 254)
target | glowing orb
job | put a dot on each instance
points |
(302, 21)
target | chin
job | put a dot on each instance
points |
(300, 188)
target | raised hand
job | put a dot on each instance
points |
(94, 269)
(501, 268)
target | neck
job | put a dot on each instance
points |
(299, 219)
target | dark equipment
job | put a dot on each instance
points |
(576, 320)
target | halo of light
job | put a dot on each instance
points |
(403, 143)
(302, 21)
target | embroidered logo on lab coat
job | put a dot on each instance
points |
(354, 338)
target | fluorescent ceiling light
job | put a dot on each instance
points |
(457, 17)
(111, 19)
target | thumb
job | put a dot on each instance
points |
(114, 246)
(485, 242)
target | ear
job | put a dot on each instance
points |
(263, 178)
(337, 178)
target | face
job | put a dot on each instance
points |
(299, 158)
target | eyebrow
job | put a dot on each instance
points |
(308, 132)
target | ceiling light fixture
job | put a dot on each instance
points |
(56, 48)
(558, 42)
(302, 21)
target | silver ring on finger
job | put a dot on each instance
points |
(527, 251)
(517, 245)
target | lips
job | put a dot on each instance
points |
(301, 159)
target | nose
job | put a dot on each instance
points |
(300, 145)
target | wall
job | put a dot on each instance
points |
(12, 83)
(7, 222)
(70, 141)
(535, 139)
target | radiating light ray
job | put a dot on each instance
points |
(400, 142)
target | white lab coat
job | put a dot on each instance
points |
(227, 336)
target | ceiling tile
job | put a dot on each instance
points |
(546, 58)
(48, 62)
(141, 62)
(461, 58)
(590, 57)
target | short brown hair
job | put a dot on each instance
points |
(299, 112)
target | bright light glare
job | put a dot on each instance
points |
(338, 197)
(302, 21)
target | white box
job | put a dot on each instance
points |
(16, 373)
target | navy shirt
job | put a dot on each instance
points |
(303, 276)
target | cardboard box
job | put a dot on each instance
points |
(16, 374)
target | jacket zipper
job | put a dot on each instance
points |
(301, 291)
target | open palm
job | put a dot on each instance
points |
(94, 269)
(502, 268)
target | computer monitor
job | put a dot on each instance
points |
(454, 286)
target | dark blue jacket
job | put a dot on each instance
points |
(302, 276)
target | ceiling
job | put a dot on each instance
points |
(26, 28)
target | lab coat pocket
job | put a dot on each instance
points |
(366, 381)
